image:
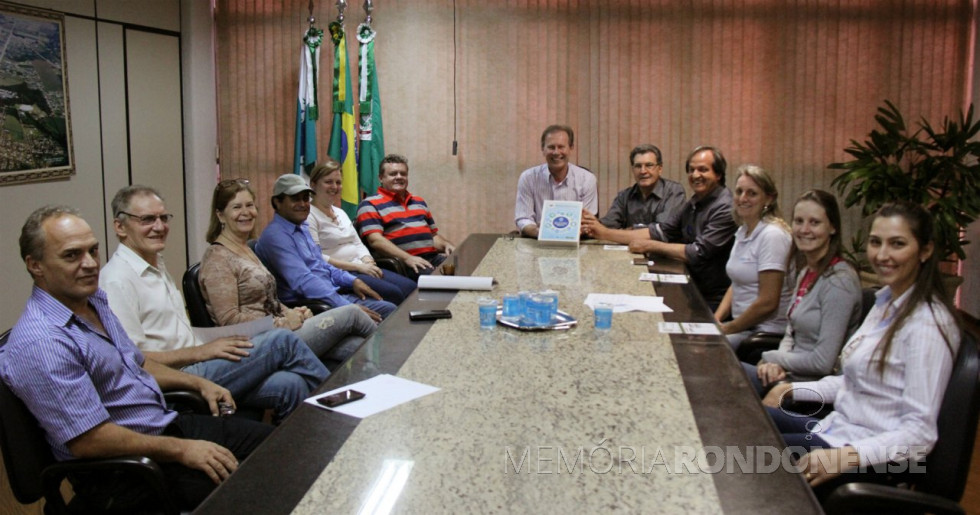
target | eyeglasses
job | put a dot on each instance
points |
(648, 166)
(147, 220)
(230, 182)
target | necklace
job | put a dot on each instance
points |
(239, 249)
(328, 210)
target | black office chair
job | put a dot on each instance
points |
(33, 472)
(751, 349)
(197, 309)
(392, 264)
(940, 487)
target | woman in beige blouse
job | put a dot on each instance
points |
(238, 288)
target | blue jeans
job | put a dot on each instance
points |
(383, 307)
(435, 259)
(752, 372)
(337, 333)
(797, 430)
(279, 372)
(392, 287)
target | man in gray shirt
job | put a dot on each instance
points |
(700, 233)
(650, 200)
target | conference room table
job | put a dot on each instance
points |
(569, 420)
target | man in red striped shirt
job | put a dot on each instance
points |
(398, 224)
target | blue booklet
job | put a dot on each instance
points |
(560, 222)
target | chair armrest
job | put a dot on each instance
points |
(872, 498)
(145, 469)
(752, 347)
(187, 401)
(316, 306)
(392, 264)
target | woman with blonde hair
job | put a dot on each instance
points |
(339, 243)
(759, 294)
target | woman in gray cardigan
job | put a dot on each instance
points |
(826, 307)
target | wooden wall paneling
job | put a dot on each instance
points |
(784, 85)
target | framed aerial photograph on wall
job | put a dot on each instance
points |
(35, 126)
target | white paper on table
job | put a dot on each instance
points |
(455, 282)
(381, 393)
(246, 329)
(615, 247)
(700, 328)
(621, 303)
(664, 278)
(669, 328)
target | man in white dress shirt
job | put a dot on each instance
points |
(274, 370)
(556, 179)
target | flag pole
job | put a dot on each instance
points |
(371, 148)
(307, 110)
(342, 139)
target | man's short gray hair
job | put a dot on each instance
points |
(124, 196)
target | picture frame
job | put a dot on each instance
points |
(35, 115)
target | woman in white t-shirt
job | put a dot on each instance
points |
(759, 294)
(339, 243)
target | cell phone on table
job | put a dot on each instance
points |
(642, 261)
(340, 398)
(429, 314)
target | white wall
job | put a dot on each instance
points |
(200, 120)
(115, 118)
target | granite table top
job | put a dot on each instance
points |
(576, 420)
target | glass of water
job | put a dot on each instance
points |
(488, 312)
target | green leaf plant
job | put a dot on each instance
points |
(938, 169)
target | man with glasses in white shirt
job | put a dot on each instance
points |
(275, 370)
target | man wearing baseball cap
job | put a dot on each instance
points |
(287, 249)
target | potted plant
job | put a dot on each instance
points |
(937, 168)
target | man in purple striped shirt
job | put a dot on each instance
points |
(92, 391)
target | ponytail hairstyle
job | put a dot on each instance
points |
(830, 207)
(928, 287)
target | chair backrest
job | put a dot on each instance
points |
(197, 309)
(948, 465)
(25, 451)
(868, 301)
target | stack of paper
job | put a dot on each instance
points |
(622, 303)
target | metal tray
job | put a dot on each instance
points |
(559, 322)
